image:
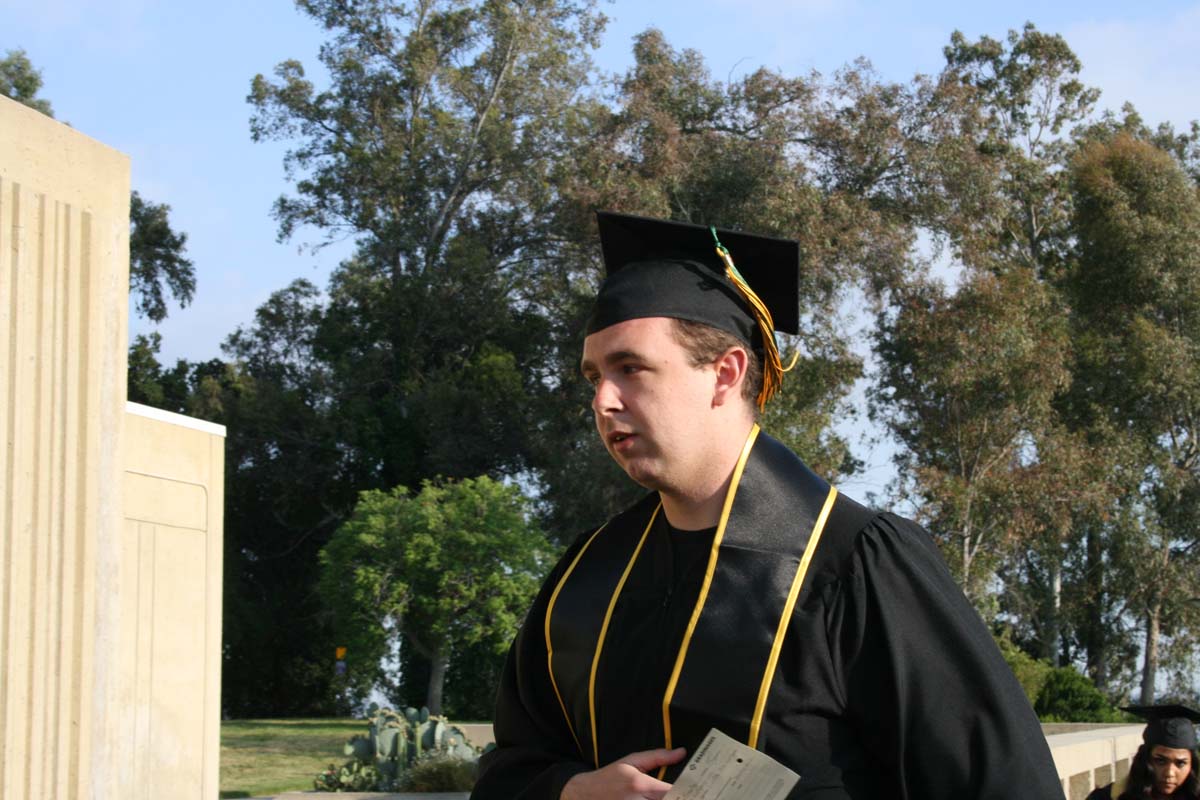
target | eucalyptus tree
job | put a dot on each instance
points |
(967, 381)
(972, 159)
(430, 141)
(432, 146)
(1135, 289)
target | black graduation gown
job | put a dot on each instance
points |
(865, 670)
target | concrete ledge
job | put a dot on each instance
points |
(1085, 756)
(1090, 758)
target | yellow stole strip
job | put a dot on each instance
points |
(612, 602)
(708, 575)
(550, 647)
(793, 593)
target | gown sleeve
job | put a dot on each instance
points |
(535, 753)
(934, 703)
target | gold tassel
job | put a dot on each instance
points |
(772, 367)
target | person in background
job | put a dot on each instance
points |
(1165, 764)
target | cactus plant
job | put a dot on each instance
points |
(394, 742)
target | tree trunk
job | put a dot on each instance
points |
(1150, 663)
(1153, 615)
(439, 663)
(966, 567)
(1094, 635)
(1053, 645)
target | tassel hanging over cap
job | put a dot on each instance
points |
(772, 367)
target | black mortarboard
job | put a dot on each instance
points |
(659, 268)
(1168, 725)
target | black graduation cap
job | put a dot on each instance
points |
(1168, 725)
(641, 255)
(659, 268)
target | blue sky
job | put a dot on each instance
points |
(165, 83)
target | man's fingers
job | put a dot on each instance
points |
(625, 778)
(646, 760)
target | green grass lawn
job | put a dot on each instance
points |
(268, 756)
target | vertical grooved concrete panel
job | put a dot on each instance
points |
(171, 617)
(64, 262)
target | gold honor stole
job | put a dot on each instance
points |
(774, 513)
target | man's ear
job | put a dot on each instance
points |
(730, 369)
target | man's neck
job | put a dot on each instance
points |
(694, 513)
(699, 506)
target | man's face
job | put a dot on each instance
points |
(1170, 766)
(651, 405)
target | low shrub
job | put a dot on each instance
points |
(1068, 696)
(435, 772)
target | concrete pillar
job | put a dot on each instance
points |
(64, 282)
(171, 605)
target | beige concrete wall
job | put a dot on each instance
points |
(64, 260)
(171, 605)
(1087, 759)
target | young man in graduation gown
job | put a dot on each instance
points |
(743, 592)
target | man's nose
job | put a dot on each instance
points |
(607, 397)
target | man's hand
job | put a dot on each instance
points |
(625, 778)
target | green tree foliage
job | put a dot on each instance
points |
(1135, 288)
(289, 482)
(982, 161)
(156, 261)
(433, 146)
(966, 385)
(454, 565)
(150, 384)
(1028, 94)
(1068, 696)
(436, 110)
(1067, 513)
(972, 377)
(21, 81)
(427, 356)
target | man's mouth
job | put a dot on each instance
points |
(619, 439)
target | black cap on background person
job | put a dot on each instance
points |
(1168, 725)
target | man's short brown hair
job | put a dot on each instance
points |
(705, 344)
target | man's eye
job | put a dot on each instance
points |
(630, 369)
